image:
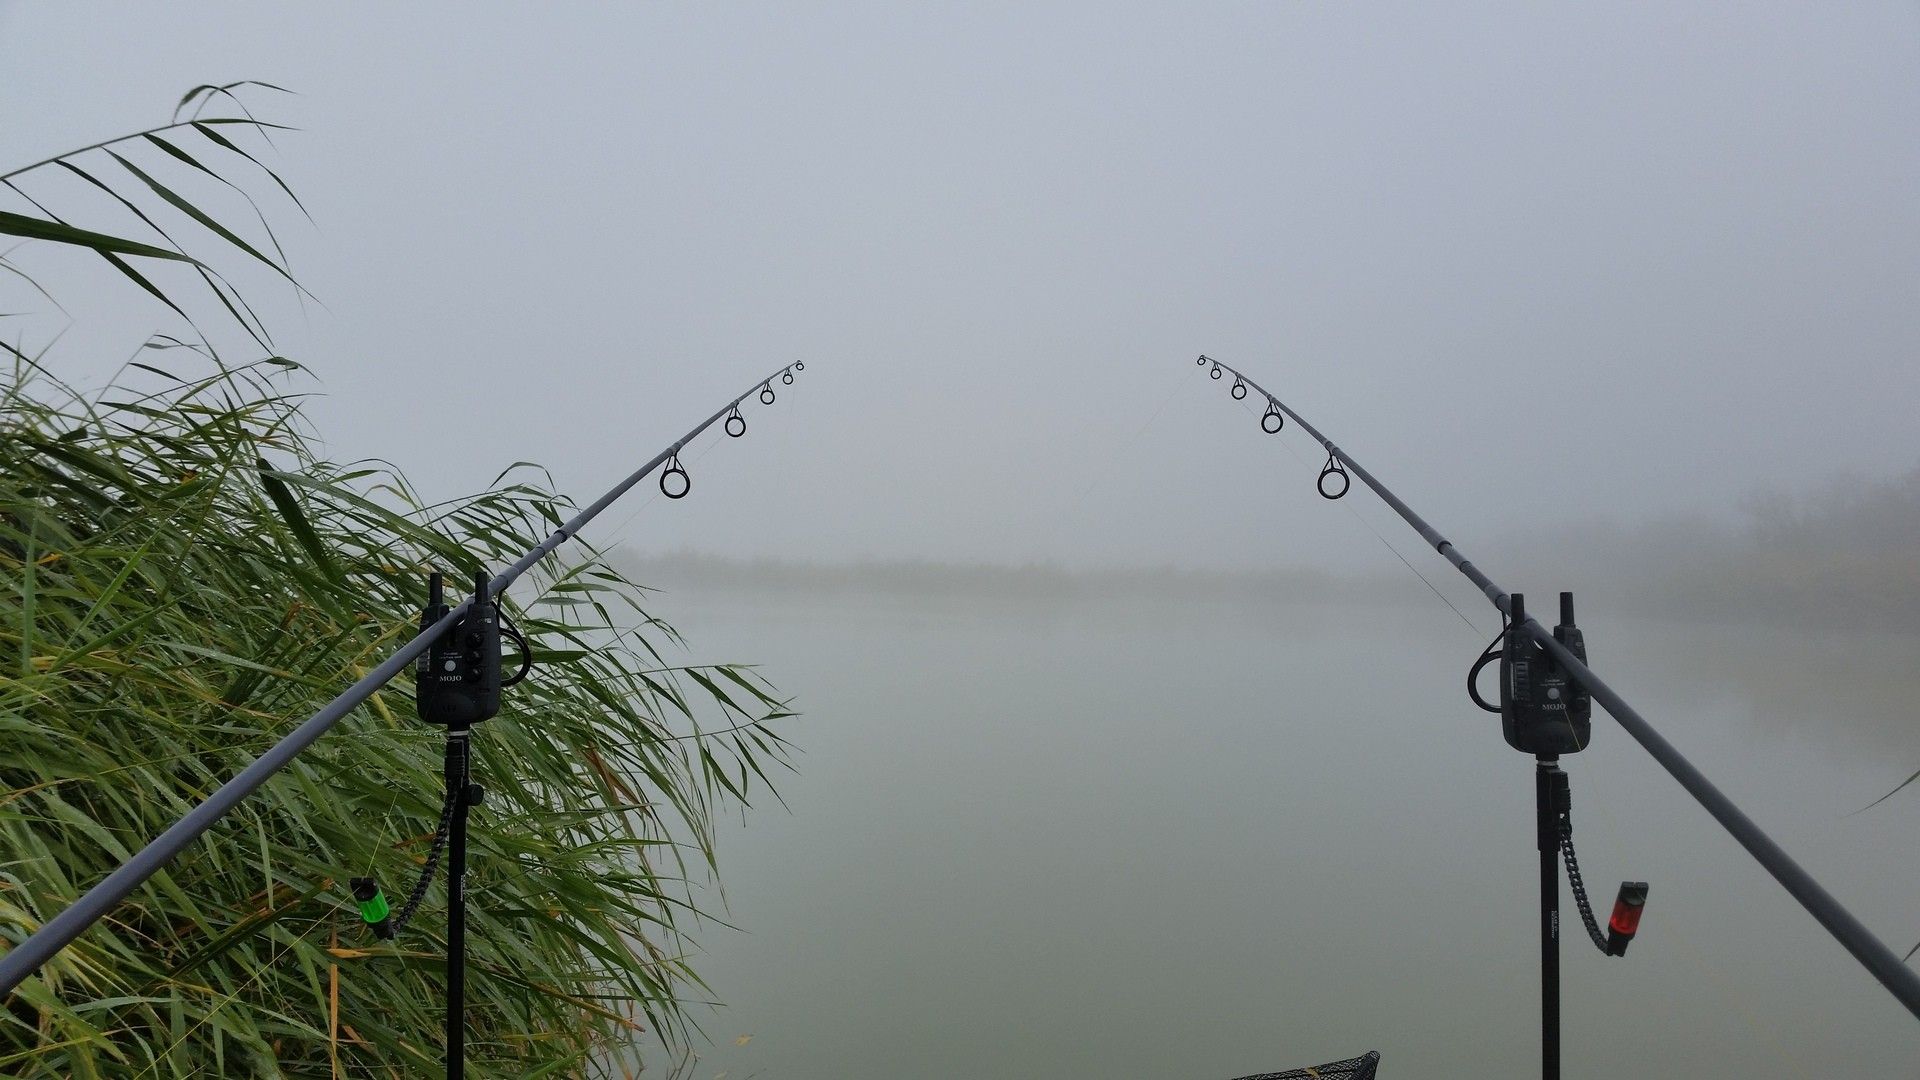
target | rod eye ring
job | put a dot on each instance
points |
(736, 424)
(1239, 390)
(1215, 373)
(766, 394)
(1333, 468)
(799, 365)
(671, 489)
(787, 378)
(1273, 414)
(1202, 362)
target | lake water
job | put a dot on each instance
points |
(1151, 837)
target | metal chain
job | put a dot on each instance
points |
(1579, 886)
(433, 862)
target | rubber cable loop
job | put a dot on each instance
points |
(1492, 652)
(508, 627)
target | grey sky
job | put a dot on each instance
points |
(1669, 250)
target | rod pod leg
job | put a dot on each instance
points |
(1549, 787)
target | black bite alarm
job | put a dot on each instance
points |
(457, 680)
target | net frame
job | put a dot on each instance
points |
(1363, 1067)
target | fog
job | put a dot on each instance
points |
(1146, 832)
(1125, 752)
(1534, 266)
(1840, 554)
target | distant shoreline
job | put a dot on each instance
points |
(1844, 555)
(695, 570)
(1719, 586)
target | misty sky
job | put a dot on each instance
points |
(1530, 263)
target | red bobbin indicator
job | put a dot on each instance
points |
(1625, 921)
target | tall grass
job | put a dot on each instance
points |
(184, 579)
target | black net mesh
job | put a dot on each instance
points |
(1360, 1068)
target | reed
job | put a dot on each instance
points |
(184, 575)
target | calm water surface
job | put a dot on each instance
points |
(1127, 837)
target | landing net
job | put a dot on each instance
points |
(1360, 1068)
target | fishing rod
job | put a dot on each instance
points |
(1538, 662)
(61, 930)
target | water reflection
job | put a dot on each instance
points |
(1141, 835)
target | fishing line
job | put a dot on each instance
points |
(1180, 386)
(260, 971)
(1081, 501)
(614, 533)
(1547, 691)
(56, 933)
(1377, 535)
(386, 831)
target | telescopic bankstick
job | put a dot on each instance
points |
(1556, 660)
(474, 648)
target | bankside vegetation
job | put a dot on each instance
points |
(185, 576)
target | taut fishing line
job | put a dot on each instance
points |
(614, 534)
(735, 427)
(456, 659)
(1074, 513)
(1273, 409)
(1180, 384)
(1546, 693)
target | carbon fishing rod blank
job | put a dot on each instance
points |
(1872, 953)
(56, 933)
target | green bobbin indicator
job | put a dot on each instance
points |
(373, 906)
